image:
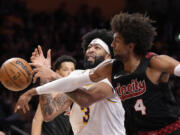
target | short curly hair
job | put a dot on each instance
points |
(103, 34)
(63, 58)
(135, 28)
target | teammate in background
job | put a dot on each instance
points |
(60, 125)
(106, 114)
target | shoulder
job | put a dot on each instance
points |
(161, 59)
(163, 63)
(150, 55)
(156, 59)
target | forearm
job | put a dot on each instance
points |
(97, 92)
(66, 84)
(51, 107)
(81, 97)
(37, 122)
(53, 76)
(70, 83)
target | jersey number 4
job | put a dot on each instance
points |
(139, 106)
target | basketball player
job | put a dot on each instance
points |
(96, 45)
(106, 114)
(60, 125)
(141, 81)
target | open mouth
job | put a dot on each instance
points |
(90, 58)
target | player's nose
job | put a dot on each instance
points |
(92, 49)
(112, 44)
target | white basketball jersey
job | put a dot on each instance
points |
(79, 117)
(105, 117)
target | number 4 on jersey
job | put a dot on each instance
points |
(139, 106)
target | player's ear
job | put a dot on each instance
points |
(107, 56)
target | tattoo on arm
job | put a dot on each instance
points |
(59, 101)
(49, 105)
(46, 104)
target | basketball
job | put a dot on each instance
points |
(16, 74)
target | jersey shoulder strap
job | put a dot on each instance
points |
(149, 55)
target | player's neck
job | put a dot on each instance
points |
(131, 63)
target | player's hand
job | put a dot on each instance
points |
(44, 73)
(38, 57)
(23, 101)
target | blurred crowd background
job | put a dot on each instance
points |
(22, 29)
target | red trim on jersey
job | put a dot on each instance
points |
(150, 54)
(164, 131)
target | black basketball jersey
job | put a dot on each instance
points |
(147, 106)
(59, 126)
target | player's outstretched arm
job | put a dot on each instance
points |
(66, 84)
(70, 83)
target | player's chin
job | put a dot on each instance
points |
(118, 57)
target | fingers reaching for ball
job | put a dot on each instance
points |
(38, 57)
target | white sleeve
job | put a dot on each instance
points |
(77, 72)
(66, 84)
(177, 70)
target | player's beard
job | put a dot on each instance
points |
(90, 64)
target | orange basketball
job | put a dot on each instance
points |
(16, 74)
